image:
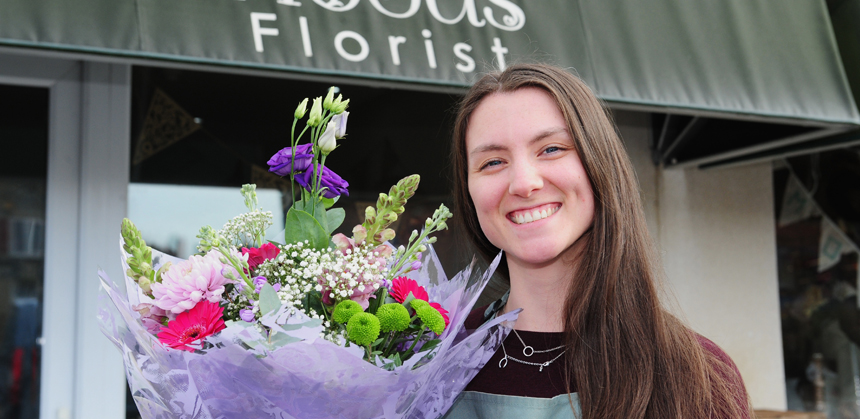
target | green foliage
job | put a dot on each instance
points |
(363, 328)
(269, 300)
(301, 226)
(393, 317)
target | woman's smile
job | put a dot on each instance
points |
(531, 215)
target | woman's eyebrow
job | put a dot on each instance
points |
(498, 147)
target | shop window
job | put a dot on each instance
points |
(818, 229)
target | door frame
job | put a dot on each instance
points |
(87, 185)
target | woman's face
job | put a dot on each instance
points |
(531, 194)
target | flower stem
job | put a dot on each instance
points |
(408, 353)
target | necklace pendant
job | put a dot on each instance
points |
(543, 365)
(503, 362)
(528, 351)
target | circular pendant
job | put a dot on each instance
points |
(528, 351)
(503, 362)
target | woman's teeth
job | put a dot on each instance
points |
(531, 216)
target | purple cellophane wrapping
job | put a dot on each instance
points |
(309, 378)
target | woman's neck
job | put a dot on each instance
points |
(541, 293)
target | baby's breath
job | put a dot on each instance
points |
(247, 229)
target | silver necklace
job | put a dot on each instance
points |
(504, 361)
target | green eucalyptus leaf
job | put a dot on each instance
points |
(301, 226)
(269, 300)
(335, 218)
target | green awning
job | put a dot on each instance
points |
(773, 59)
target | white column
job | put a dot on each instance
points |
(105, 144)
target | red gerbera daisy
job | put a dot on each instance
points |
(402, 286)
(203, 320)
(442, 311)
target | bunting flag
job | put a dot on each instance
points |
(797, 204)
(832, 245)
(166, 123)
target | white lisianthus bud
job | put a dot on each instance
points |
(329, 99)
(327, 142)
(316, 112)
(340, 125)
(301, 109)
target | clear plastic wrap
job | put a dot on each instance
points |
(238, 375)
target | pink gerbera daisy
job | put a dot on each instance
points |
(402, 286)
(193, 326)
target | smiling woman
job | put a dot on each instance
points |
(541, 174)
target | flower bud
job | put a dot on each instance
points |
(428, 222)
(144, 284)
(388, 234)
(340, 106)
(340, 125)
(315, 117)
(302, 109)
(431, 240)
(370, 214)
(422, 248)
(329, 99)
(414, 235)
(390, 217)
(327, 142)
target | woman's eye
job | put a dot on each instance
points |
(551, 149)
(491, 163)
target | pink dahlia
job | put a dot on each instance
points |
(259, 255)
(402, 286)
(188, 282)
(203, 320)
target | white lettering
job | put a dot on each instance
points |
(468, 9)
(468, 64)
(414, 5)
(428, 45)
(362, 43)
(500, 53)
(336, 5)
(393, 42)
(259, 31)
(514, 20)
(288, 2)
(306, 36)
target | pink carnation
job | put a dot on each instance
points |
(259, 255)
(188, 282)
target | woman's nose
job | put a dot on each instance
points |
(525, 179)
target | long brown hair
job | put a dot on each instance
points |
(628, 357)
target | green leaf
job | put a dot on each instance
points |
(313, 301)
(430, 345)
(301, 226)
(329, 202)
(397, 361)
(378, 341)
(335, 218)
(375, 303)
(269, 300)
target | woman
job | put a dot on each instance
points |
(541, 174)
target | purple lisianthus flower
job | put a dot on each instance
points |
(335, 184)
(416, 265)
(247, 315)
(280, 165)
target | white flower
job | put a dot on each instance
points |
(327, 142)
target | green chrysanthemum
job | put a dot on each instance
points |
(344, 311)
(394, 317)
(363, 328)
(417, 303)
(432, 318)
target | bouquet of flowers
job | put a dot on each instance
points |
(321, 325)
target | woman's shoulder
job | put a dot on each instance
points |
(719, 354)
